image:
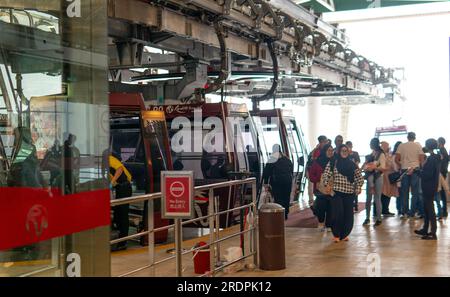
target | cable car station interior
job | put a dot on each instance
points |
(103, 103)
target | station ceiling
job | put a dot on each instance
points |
(341, 5)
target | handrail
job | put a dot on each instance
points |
(157, 195)
(213, 218)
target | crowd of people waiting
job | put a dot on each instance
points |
(336, 179)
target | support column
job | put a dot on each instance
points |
(345, 114)
(313, 105)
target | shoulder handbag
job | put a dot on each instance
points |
(328, 189)
(394, 177)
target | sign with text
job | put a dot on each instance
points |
(177, 194)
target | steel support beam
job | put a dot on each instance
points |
(188, 31)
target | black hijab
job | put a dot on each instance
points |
(375, 145)
(323, 159)
(345, 166)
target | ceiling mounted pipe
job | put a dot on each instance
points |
(271, 92)
(224, 71)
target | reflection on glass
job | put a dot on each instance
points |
(51, 137)
(271, 130)
(261, 139)
(200, 163)
(154, 132)
(24, 171)
(126, 141)
(3, 165)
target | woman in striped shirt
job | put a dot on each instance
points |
(346, 179)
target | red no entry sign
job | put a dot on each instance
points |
(177, 194)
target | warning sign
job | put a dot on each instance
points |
(177, 194)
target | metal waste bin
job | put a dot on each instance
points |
(271, 237)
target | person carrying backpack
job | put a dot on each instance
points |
(322, 140)
(279, 174)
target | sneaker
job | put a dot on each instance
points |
(389, 214)
(420, 232)
(440, 218)
(366, 222)
(345, 239)
(429, 236)
(329, 229)
(403, 217)
(377, 223)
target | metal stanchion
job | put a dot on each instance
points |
(217, 229)
(56, 256)
(178, 243)
(211, 231)
(255, 225)
(151, 236)
(242, 218)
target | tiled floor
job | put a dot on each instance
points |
(310, 252)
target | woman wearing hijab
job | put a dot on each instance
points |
(278, 172)
(346, 181)
(322, 207)
(429, 178)
(375, 166)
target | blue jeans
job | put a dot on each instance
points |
(378, 187)
(437, 199)
(399, 204)
(411, 181)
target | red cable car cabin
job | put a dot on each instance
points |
(237, 157)
(279, 127)
(140, 138)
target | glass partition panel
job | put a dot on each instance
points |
(54, 197)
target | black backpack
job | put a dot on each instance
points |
(282, 171)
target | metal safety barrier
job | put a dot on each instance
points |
(214, 226)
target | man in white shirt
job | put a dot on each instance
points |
(410, 157)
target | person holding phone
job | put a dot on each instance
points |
(375, 166)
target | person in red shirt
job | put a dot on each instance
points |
(322, 139)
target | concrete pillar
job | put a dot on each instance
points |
(313, 106)
(345, 114)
